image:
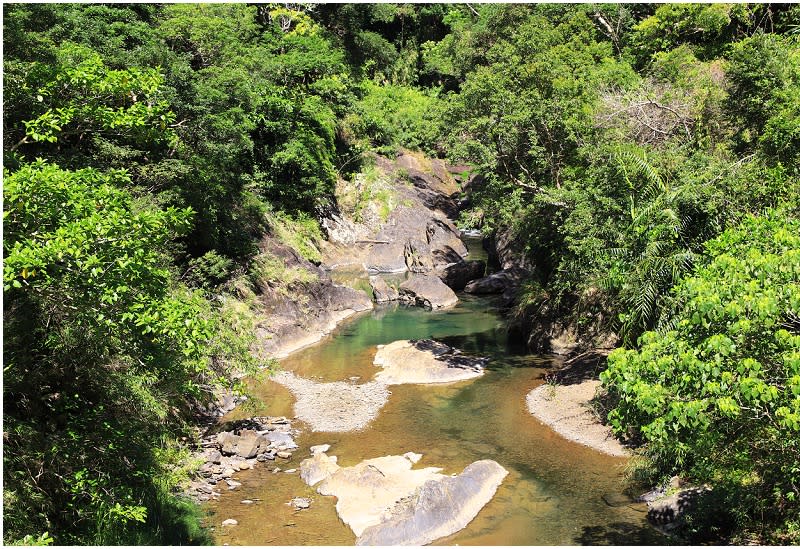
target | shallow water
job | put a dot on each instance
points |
(552, 495)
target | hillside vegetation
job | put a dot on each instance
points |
(643, 157)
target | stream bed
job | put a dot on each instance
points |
(556, 492)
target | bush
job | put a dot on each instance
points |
(717, 397)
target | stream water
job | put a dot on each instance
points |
(556, 490)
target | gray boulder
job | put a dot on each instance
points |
(496, 283)
(382, 291)
(438, 508)
(247, 444)
(669, 511)
(458, 275)
(427, 291)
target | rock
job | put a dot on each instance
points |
(246, 502)
(247, 444)
(284, 455)
(387, 258)
(300, 503)
(418, 256)
(670, 510)
(458, 275)
(496, 283)
(215, 457)
(279, 438)
(438, 508)
(318, 468)
(444, 236)
(424, 361)
(320, 448)
(232, 483)
(386, 502)
(230, 522)
(365, 491)
(228, 473)
(427, 291)
(290, 471)
(382, 291)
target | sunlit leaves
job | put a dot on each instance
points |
(725, 383)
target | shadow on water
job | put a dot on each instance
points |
(619, 533)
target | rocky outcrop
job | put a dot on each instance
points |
(438, 508)
(425, 361)
(302, 314)
(413, 238)
(385, 501)
(427, 291)
(405, 226)
(232, 447)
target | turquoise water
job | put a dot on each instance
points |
(552, 495)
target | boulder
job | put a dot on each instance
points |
(382, 291)
(319, 448)
(250, 444)
(427, 291)
(669, 511)
(418, 256)
(278, 438)
(365, 491)
(424, 361)
(317, 468)
(496, 283)
(247, 444)
(438, 508)
(442, 235)
(458, 275)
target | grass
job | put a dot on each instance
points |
(301, 233)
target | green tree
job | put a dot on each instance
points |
(717, 397)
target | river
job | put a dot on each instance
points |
(553, 495)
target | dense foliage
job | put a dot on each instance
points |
(718, 394)
(643, 157)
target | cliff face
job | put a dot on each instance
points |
(395, 217)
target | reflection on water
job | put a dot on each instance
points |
(552, 495)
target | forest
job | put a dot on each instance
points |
(645, 157)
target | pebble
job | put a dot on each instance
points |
(320, 448)
(233, 483)
(290, 471)
(284, 455)
(227, 473)
(230, 522)
(300, 503)
(246, 501)
(276, 470)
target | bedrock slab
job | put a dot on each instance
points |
(386, 502)
(425, 361)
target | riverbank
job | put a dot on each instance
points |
(565, 405)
